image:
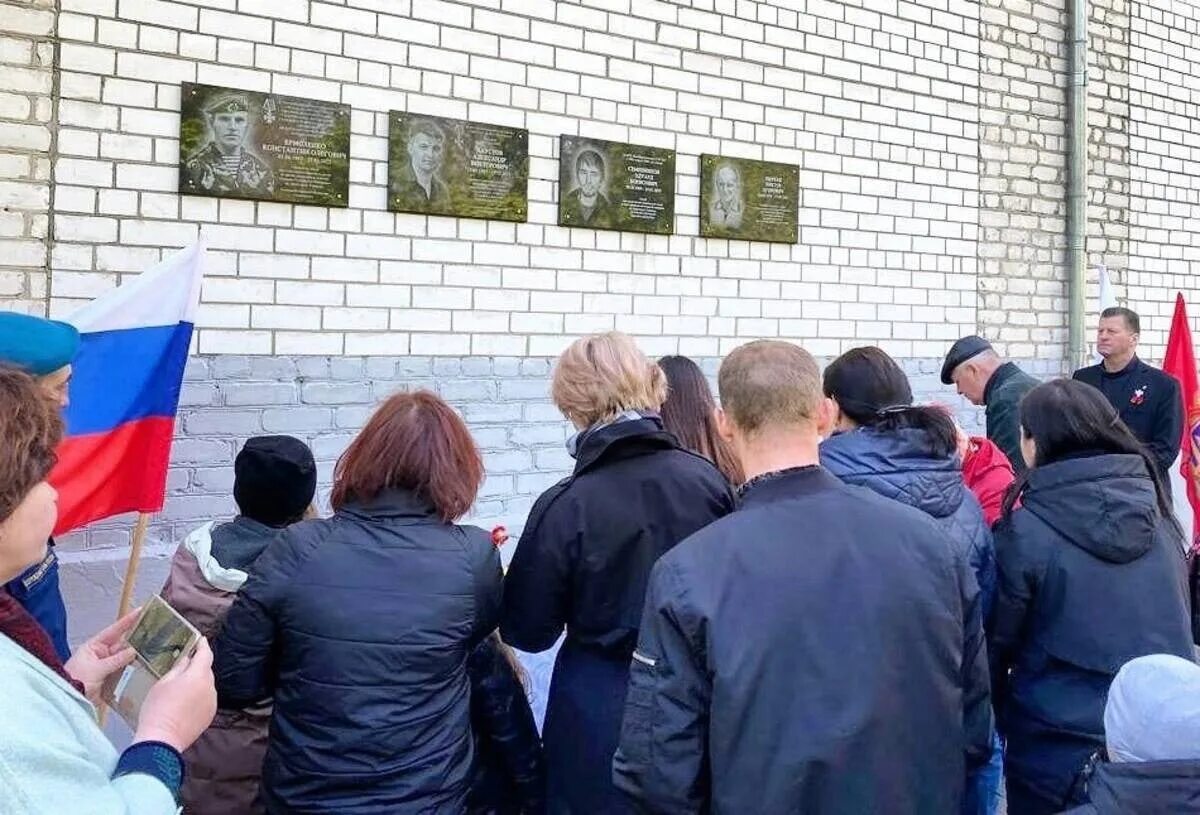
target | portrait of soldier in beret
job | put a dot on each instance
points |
(224, 165)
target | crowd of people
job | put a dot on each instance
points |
(818, 597)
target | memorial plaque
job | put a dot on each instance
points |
(244, 144)
(451, 167)
(613, 185)
(749, 200)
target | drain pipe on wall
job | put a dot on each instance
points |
(1077, 137)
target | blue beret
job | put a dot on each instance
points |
(35, 344)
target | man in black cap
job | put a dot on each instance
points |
(1147, 399)
(980, 375)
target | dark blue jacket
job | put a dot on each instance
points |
(37, 590)
(360, 627)
(897, 465)
(1143, 788)
(1090, 576)
(582, 563)
(818, 651)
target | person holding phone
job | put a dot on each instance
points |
(53, 755)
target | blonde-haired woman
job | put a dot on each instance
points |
(586, 553)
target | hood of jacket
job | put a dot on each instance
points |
(198, 543)
(897, 465)
(1147, 788)
(1104, 504)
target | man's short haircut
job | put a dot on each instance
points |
(426, 128)
(769, 383)
(589, 158)
(1132, 321)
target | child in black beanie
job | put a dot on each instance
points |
(275, 479)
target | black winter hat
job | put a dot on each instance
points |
(275, 479)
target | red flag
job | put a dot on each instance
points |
(1180, 362)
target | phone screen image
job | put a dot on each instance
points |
(161, 637)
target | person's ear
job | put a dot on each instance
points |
(725, 428)
(828, 414)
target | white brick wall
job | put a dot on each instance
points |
(1164, 171)
(888, 170)
(26, 138)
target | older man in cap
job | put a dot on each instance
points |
(223, 166)
(981, 376)
(45, 349)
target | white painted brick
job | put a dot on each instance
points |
(212, 341)
(421, 320)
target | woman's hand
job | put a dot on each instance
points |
(182, 704)
(102, 655)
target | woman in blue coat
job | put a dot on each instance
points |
(909, 454)
(585, 556)
(1091, 576)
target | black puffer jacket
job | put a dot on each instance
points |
(360, 627)
(508, 777)
(1090, 577)
(1150, 788)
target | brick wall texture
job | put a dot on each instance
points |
(931, 137)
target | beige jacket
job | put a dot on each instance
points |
(225, 764)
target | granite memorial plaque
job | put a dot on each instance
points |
(452, 167)
(613, 185)
(749, 200)
(245, 144)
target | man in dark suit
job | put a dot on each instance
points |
(1147, 398)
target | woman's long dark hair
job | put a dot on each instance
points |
(872, 390)
(1066, 418)
(689, 413)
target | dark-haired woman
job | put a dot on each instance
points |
(910, 454)
(1091, 575)
(905, 452)
(360, 625)
(690, 413)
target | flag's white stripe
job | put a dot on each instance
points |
(1108, 299)
(166, 294)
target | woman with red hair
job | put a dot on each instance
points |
(360, 625)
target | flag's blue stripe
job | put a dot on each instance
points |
(124, 375)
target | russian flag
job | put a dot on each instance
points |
(124, 393)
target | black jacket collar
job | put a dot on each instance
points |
(623, 439)
(1134, 366)
(784, 484)
(392, 503)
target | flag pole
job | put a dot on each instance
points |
(131, 568)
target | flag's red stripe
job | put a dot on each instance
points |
(1180, 361)
(103, 474)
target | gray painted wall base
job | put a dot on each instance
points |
(325, 401)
